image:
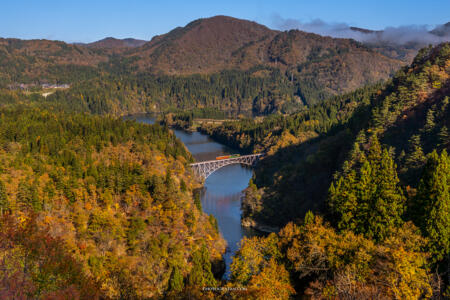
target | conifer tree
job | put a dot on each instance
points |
(415, 157)
(197, 201)
(176, 280)
(28, 197)
(356, 154)
(369, 200)
(23, 195)
(3, 198)
(201, 274)
(429, 123)
(432, 204)
(444, 137)
(36, 202)
(387, 203)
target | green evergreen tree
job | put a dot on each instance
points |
(183, 186)
(170, 183)
(23, 195)
(368, 199)
(201, 274)
(28, 197)
(432, 204)
(444, 137)
(4, 205)
(356, 154)
(415, 158)
(429, 123)
(387, 205)
(176, 283)
(36, 203)
(197, 201)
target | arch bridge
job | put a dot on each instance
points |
(205, 168)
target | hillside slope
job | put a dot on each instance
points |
(219, 62)
(98, 207)
(43, 61)
(202, 46)
(113, 43)
(213, 44)
(384, 169)
(409, 113)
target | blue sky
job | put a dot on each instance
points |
(87, 21)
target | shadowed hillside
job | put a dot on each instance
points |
(307, 148)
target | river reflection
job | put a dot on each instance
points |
(221, 197)
(222, 191)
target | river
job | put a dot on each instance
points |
(222, 192)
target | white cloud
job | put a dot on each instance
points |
(396, 35)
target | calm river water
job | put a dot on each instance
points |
(222, 191)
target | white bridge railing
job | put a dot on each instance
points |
(205, 168)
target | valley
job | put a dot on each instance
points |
(99, 197)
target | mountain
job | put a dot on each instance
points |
(442, 30)
(328, 64)
(44, 60)
(363, 30)
(322, 65)
(217, 43)
(202, 46)
(402, 43)
(286, 69)
(410, 115)
(113, 43)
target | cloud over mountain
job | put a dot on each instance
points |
(401, 35)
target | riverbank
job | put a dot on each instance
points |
(222, 191)
(249, 223)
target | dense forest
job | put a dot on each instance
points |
(275, 131)
(227, 90)
(249, 68)
(99, 207)
(409, 113)
(355, 186)
(374, 167)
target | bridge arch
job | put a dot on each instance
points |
(205, 168)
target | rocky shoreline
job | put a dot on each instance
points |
(250, 223)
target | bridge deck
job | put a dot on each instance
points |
(227, 159)
(206, 168)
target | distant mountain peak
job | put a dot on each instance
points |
(221, 43)
(114, 43)
(203, 45)
(442, 30)
(364, 30)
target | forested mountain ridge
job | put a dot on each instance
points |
(321, 137)
(217, 57)
(202, 46)
(403, 42)
(34, 61)
(309, 61)
(114, 44)
(97, 207)
(213, 44)
(379, 177)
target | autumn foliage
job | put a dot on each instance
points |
(98, 205)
